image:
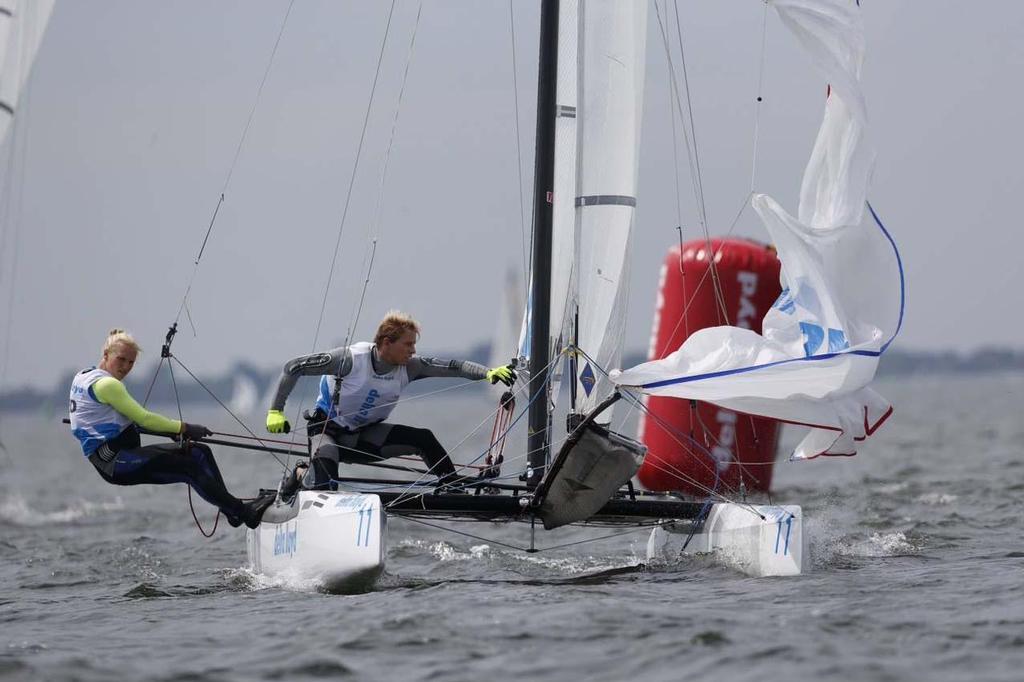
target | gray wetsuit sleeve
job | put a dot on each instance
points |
(420, 367)
(335, 362)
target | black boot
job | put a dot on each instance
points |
(293, 481)
(252, 512)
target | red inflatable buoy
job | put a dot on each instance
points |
(688, 441)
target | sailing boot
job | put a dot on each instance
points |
(293, 481)
(252, 511)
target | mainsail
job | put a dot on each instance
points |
(601, 65)
(842, 299)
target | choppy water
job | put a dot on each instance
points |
(917, 573)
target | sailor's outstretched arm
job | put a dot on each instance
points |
(420, 367)
(112, 392)
(336, 362)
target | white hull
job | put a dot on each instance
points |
(331, 539)
(738, 536)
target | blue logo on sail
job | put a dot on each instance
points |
(785, 302)
(814, 336)
(588, 379)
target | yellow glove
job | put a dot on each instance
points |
(505, 374)
(277, 422)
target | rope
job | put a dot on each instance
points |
(221, 403)
(192, 508)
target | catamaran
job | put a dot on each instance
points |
(840, 308)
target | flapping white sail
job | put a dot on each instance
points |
(842, 296)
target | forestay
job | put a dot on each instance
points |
(842, 297)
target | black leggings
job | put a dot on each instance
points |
(379, 442)
(168, 463)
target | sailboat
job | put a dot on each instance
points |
(811, 365)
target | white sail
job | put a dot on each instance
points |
(22, 24)
(563, 213)
(612, 46)
(842, 296)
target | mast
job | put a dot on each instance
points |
(540, 305)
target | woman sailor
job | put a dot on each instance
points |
(372, 377)
(104, 418)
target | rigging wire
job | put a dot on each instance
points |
(234, 161)
(183, 307)
(519, 152)
(759, 98)
(717, 285)
(348, 198)
(352, 178)
(379, 221)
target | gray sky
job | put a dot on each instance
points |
(136, 109)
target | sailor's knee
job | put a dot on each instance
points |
(328, 452)
(424, 437)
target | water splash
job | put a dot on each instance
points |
(16, 511)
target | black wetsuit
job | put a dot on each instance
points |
(125, 461)
(374, 442)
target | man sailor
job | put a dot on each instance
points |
(104, 418)
(373, 376)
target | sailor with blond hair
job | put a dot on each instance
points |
(105, 419)
(372, 377)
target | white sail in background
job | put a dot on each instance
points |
(612, 45)
(842, 296)
(22, 24)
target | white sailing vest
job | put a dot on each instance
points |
(366, 397)
(93, 423)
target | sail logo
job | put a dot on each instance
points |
(364, 410)
(723, 450)
(587, 379)
(286, 540)
(747, 313)
(785, 302)
(814, 338)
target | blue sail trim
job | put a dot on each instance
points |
(899, 263)
(809, 358)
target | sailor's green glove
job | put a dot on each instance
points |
(505, 374)
(277, 422)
